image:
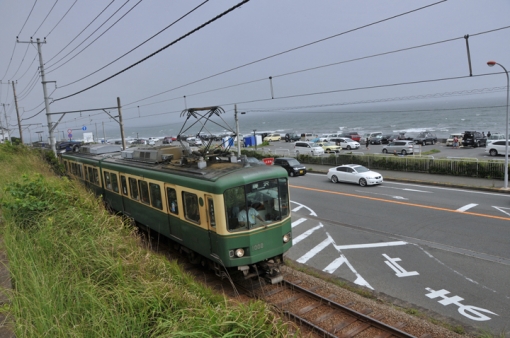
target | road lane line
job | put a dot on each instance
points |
(397, 202)
(467, 207)
(305, 234)
(373, 245)
(318, 248)
(298, 222)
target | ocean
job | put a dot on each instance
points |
(442, 117)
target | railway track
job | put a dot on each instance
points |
(324, 316)
(309, 310)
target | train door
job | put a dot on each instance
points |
(211, 224)
(175, 209)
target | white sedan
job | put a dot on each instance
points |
(345, 143)
(354, 173)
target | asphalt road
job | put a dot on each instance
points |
(442, 249)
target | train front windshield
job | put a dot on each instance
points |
(257, 204)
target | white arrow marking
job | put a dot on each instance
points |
(467, 207)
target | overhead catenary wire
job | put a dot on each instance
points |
(159, 50)
(120, 57)
(292, 49)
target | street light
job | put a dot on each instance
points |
(237, 133)
(490, 64)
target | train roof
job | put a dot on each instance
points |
(171, 160)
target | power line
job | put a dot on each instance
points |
(83, 31)
(159, 50)
(51, 9)
(117, 59)
(291, 50)
(15, 44)
(96, 38)
(75, 1)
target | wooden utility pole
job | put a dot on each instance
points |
(17, 112)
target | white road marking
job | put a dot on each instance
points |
(300, 206)
(373, 245)
(335, 264)
(392, 196)
(467, 207)
(318, 248)
(399, 271)
(305, 234)
(407, 189)
(503, 211)
(298, 222)
(450, 189)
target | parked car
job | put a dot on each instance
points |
(139, 141)
(293, 167)
(292, 137)
(474, 139)
(194, 141)
(307, 148)
(272, 138)
(364, 138)
(345, 143)
(375, 138)
(308, 136)
(403, 147)
(354, 173)
(353, 135)
(254, 161)
(425, 138)
(329, 147)
(449, 140)
(65, 146)
(168, 139)
(496, 148)
(387, 138)
(495, 137)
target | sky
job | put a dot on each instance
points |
(160, 57)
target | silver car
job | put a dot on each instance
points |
(402, 147)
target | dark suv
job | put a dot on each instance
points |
(425, 137)
(474, 139)
(292, 137)
(293, 167)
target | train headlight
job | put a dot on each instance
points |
(239, 253)
(286, 238)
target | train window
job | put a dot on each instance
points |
(86, 171)
(115, 182)
(235, 199)
(91, 174)
(144, 192)
(210, 211)
(155, 196)
(191, 211)
(66, 164)
(107, 182)
(123, 184)
(172, 201)
(134, 189)
(96, 177)
(73, 168)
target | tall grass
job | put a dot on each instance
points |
(77, 271)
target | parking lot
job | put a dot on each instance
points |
(283, 148)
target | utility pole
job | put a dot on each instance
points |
(6, 123)
(45, 92)
(17, 112)
(121, 123)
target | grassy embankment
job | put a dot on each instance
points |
(77, 271)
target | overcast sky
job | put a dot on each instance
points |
(291, 41)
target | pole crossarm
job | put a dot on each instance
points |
(113, 117)
(82, 110)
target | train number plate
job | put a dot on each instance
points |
(258, 246)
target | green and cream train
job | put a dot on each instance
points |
(198, 204)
